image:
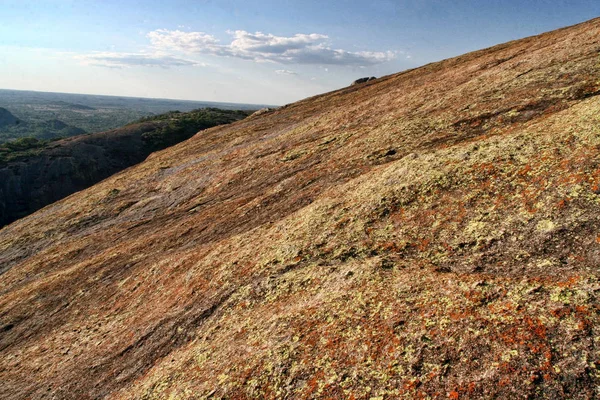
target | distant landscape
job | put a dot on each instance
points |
(46, 115)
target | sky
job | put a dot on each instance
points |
(245, 51)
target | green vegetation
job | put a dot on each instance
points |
(52, 129)
(173, 127)
(21, 148)
(180, 126)
(12, 128)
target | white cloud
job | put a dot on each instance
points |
(190, 42)
(260, 47)
(121, 60)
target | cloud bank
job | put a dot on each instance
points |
(260, 47)
(122, 60)
(167, 46)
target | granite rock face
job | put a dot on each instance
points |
(431, 234)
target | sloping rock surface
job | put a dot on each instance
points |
(434, 233)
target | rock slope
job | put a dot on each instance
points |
(430, 234)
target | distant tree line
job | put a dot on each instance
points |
(21, 148)
(172, 128)
(181, 126)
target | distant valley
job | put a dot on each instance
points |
(12, 128)
(46, 115)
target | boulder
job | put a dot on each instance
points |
(363, 80)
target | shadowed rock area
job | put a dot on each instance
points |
(431, 234)
(51, 171)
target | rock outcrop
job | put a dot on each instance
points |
(67, 166)
(70, 165)
(263, 111)
(363, 80)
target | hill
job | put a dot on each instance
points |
(433, 233)
(13, 128)
(7, 119)
(35, 173)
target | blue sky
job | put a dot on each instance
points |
(268, 52)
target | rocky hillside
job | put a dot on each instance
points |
(430, 234)
(34, 173)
